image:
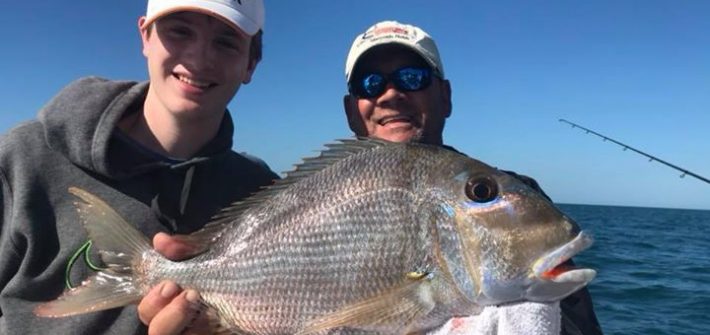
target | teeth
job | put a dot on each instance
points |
(396, 118)
(193, 82)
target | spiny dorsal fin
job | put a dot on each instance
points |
(334, 153)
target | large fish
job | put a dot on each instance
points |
(369, 236)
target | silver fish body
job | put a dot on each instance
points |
(369, 236)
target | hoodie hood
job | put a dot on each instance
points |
(80, 122)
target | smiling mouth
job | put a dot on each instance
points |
(194, 82)
(551, 267)
(397, 118)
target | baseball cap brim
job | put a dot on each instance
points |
(227, 14)
(376, 46)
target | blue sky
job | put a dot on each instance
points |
(637, 71)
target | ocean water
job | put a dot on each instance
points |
(653, 268)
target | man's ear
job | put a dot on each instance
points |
(446, 97)
(144, 34)
(353, 115)
(251, 67)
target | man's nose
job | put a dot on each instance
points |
(391, 93)
(199, 54)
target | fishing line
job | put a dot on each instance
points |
(650, 157)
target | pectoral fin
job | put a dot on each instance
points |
(391, 312)
(216, 324)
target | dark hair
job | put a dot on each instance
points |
(255, 47)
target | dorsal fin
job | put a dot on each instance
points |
(333, 153)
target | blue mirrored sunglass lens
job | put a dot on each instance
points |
(410, 79)
(373, 84)
(405, 79)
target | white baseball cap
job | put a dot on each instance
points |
(247, 15)
(393, 32)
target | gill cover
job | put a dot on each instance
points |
(459, 232)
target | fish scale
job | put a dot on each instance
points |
(369, 237)
(358, 215)
(293, 282)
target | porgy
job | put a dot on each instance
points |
(369, 236)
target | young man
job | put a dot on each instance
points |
(397, 91)
(159, 152)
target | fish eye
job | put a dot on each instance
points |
(481, 189)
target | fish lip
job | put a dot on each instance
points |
(548, 262)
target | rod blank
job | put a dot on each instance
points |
(650, 157)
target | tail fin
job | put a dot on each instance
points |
(119, 244)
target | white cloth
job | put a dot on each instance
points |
(525, 318)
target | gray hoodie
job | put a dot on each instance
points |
(75, 142)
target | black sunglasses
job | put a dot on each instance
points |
(406, 79)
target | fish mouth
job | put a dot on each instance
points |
(551, 267)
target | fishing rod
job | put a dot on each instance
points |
(650, 157)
